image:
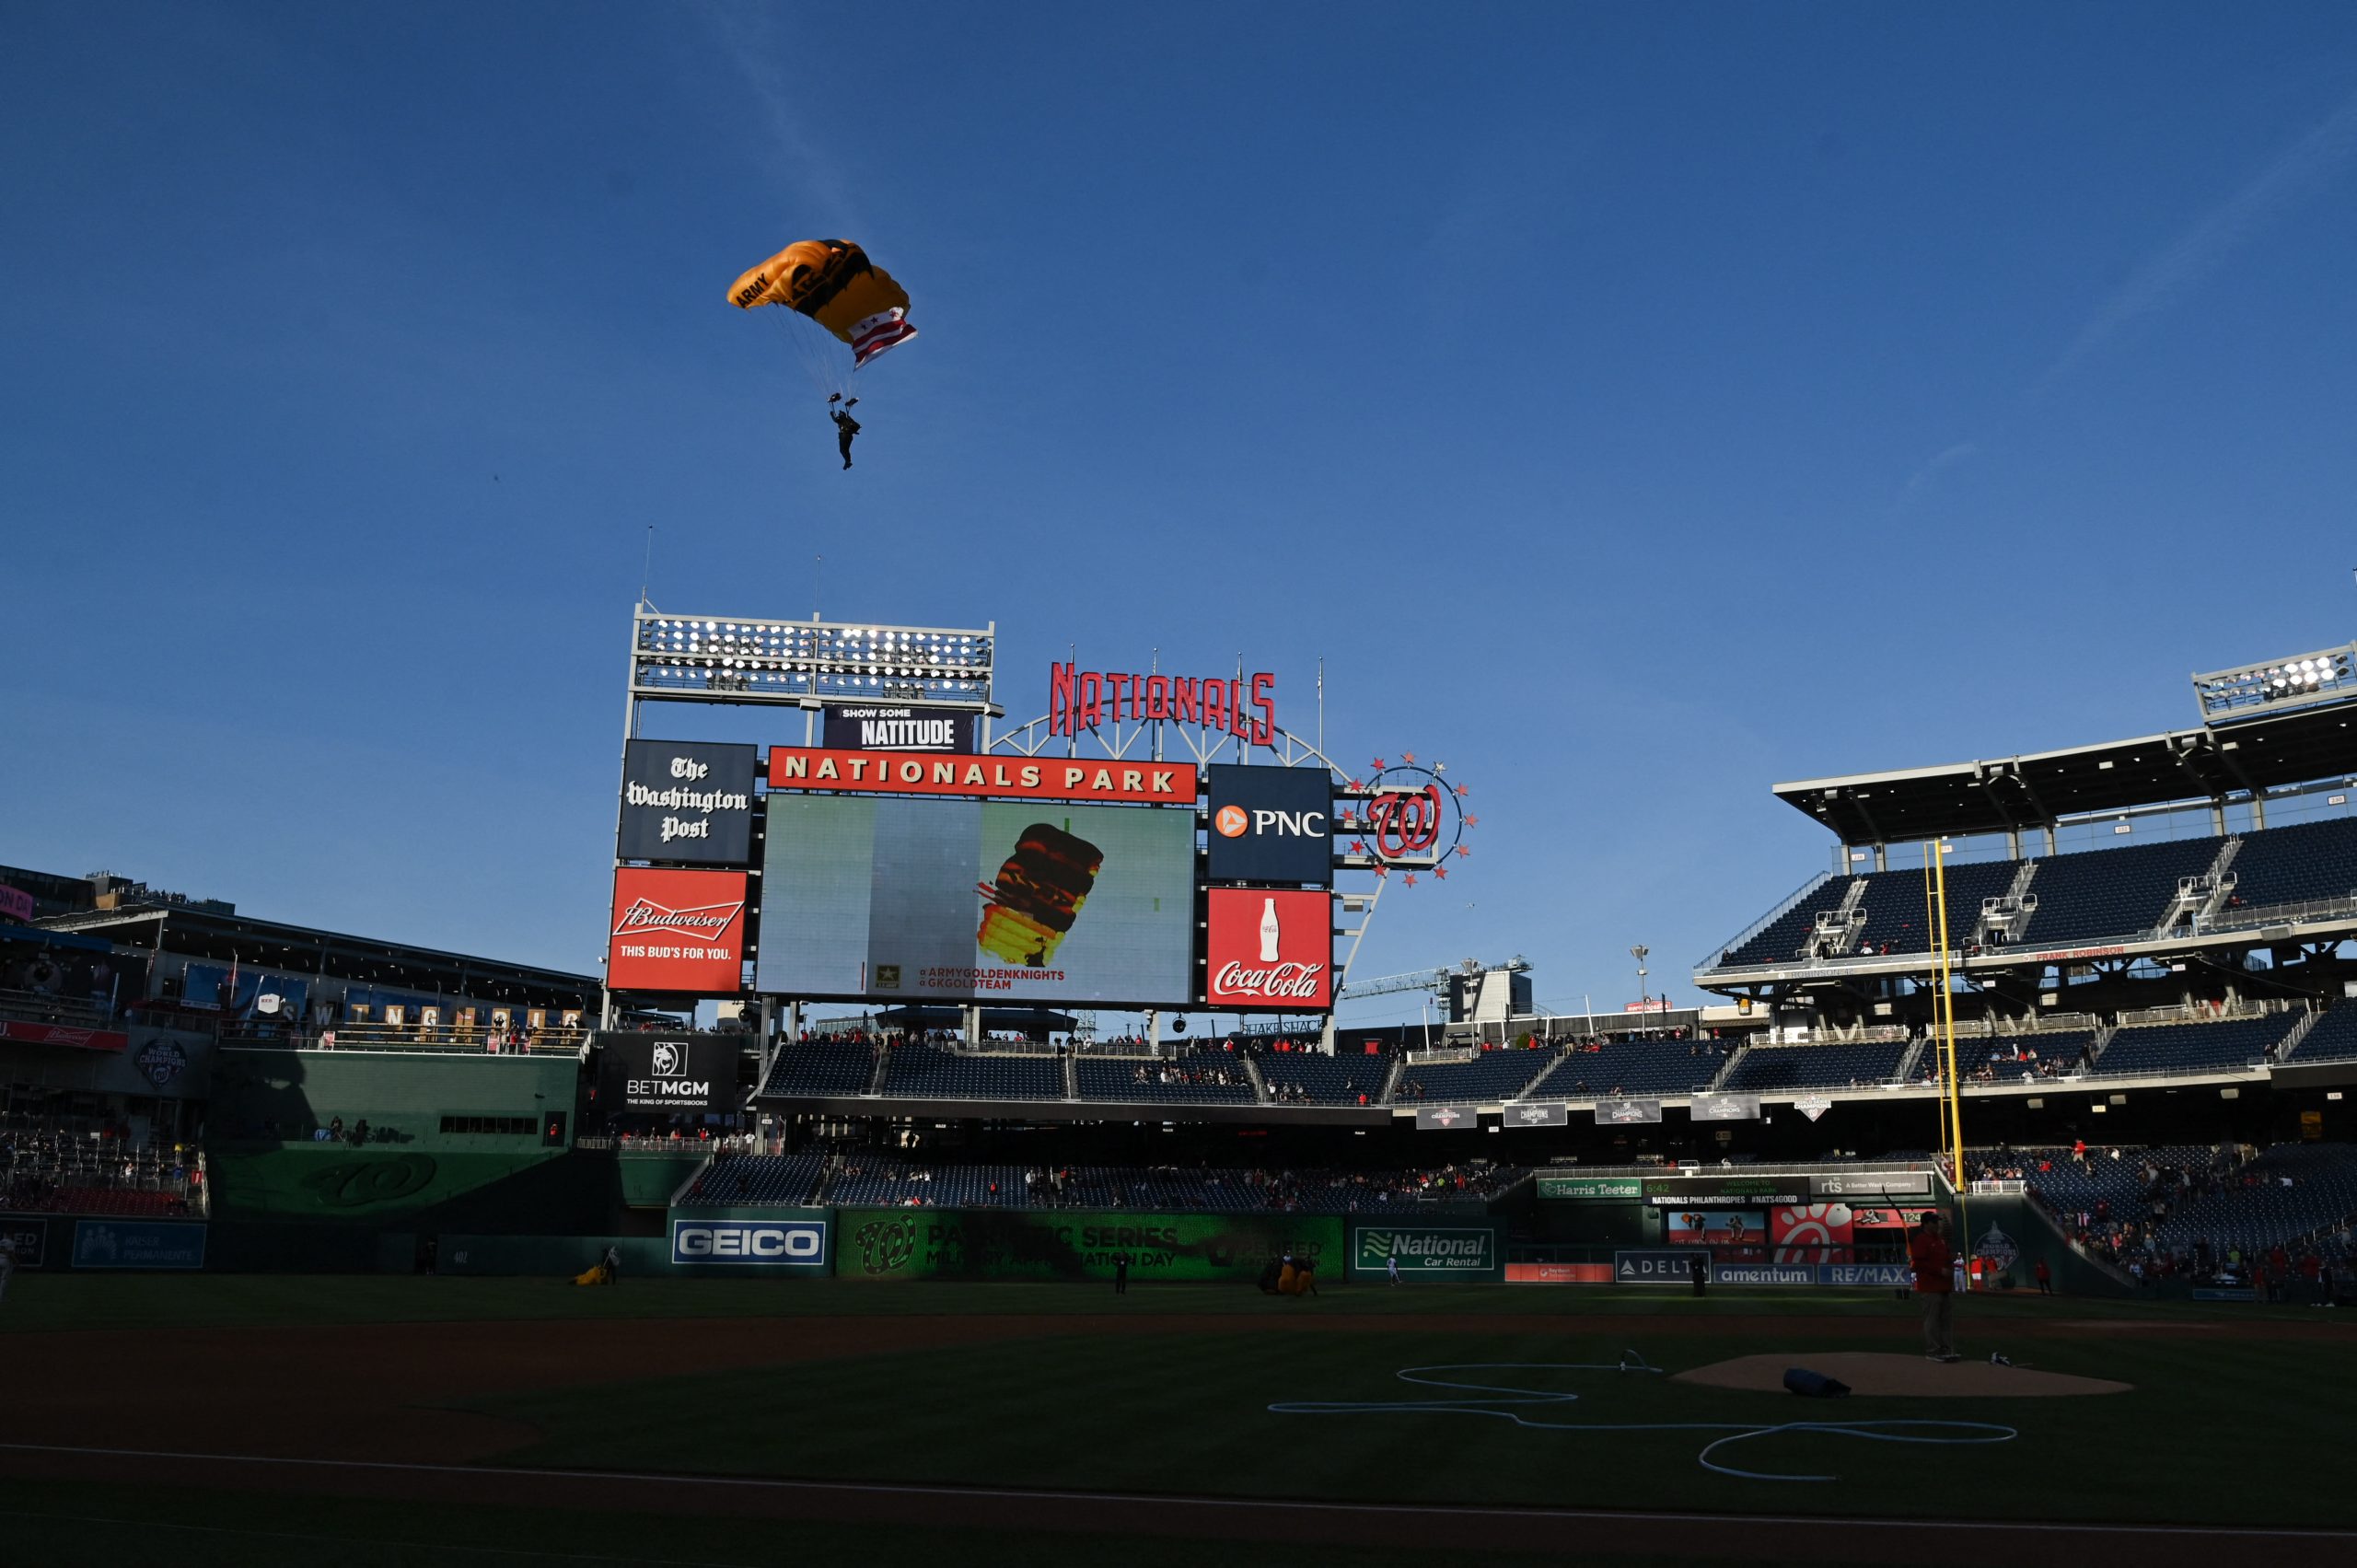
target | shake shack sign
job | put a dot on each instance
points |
(678, 1072)
(687, 802)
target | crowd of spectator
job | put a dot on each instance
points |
(68, 1167)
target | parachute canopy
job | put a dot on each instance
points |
(833, 284)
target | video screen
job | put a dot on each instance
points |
(976, 901)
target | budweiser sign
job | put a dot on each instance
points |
(677, 931)
(711, 920)
(1269, 947)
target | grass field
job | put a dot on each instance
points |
(2237, 1417)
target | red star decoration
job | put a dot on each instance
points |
(1379, 765)
(1464, 789)
(1441, 872)
(1464, 850)
(1358, 846)
(1406, 756)
(1382, 871)
(1472, 821)
(1409, 878)
(1354, 785)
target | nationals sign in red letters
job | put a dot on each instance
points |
(677, 931)
(1269, 949)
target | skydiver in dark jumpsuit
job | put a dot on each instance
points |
(845, 425)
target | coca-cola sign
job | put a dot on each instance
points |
(1267, 948)
(677, 931)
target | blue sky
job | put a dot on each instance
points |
(1633, 406)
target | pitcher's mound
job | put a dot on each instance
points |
(1878, 1372)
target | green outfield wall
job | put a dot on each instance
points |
(1058, 1244)
(407, 1098)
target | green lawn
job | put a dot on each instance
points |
(2220, 1429)
(184, 1527)
(41, 1302)
(2215, 1431)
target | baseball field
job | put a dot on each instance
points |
(266, 1420)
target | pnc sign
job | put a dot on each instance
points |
(1271, 824)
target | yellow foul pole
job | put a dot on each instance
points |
(1955, 1096)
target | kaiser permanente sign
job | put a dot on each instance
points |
(1436, 1251)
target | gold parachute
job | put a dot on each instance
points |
(832, 282)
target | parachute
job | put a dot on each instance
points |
(831, 286)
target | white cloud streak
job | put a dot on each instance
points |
(758, 53)
(2303, 169)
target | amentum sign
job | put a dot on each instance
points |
(751, 1243)
(1268, 948)
(1423, 1250)
(1271, 824)
(689, 803)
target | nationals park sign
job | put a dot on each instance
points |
(1021, 778)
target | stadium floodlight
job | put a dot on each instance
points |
(2303, 681)
(698, 658)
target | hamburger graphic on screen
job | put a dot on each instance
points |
(1037, 895)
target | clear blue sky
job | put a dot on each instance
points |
(1634, 405)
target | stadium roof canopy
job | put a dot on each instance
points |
(2007, 793)
(191, 932)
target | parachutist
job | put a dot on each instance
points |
(845, 428)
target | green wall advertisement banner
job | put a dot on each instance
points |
(1054, 1244)
(1562, 1187)
(1426, 1252)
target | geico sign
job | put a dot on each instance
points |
(722, 1242)
(1234, 822)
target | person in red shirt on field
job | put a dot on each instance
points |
(1933, 1261)
(2045, 1279)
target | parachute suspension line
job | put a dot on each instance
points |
(817, 352)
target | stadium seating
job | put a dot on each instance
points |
(1490, 1076)
(1299, 1078)
(1137, 1081)
(885, 1180)
(2292, 864)
(2258, 1209)
(2112, 892)
(924, 1071)
(1173, 1188)
(2185, 1048)
(1765, 1068)
(832, 1067)
(2334, 1038)
(755, 1179)
(1617, 1066)
(1896, 911)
